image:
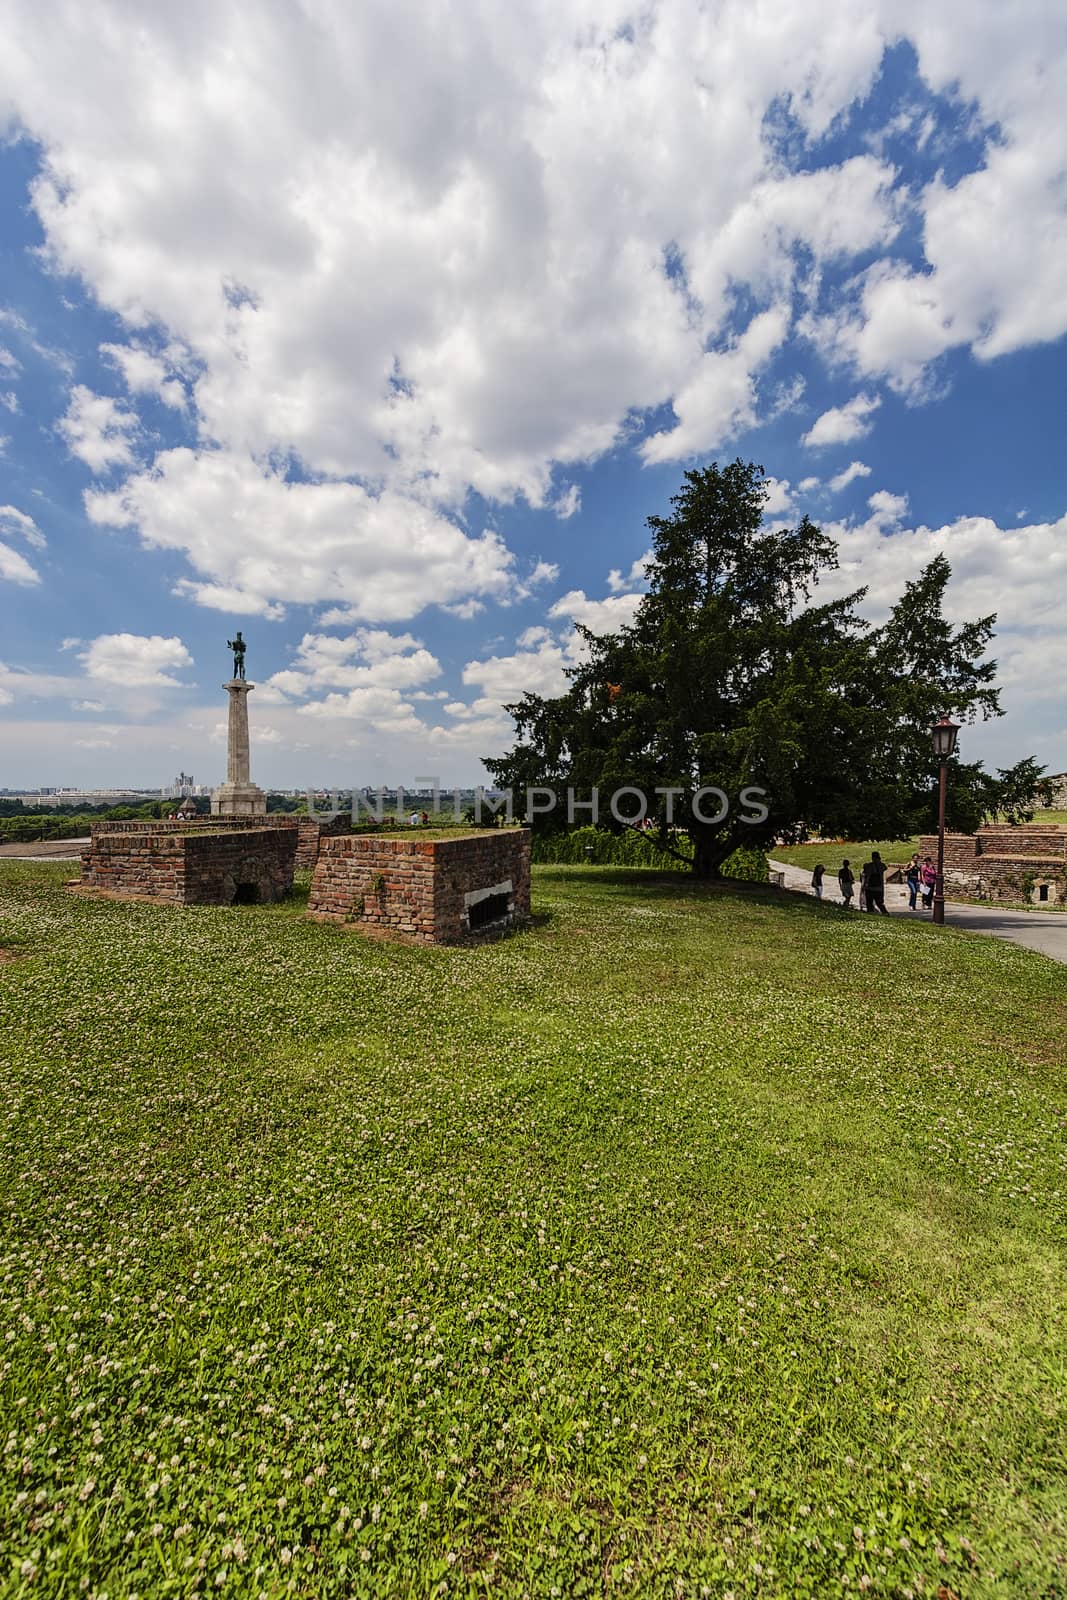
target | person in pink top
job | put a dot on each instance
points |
(928, 877)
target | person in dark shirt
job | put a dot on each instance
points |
(874, 871)
(846, 878)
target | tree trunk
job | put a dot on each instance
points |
(709, 853)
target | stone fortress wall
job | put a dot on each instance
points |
(1027, 862)
(309, 830)
(193, 867)
(438, 891)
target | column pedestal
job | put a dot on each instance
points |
(238, 796)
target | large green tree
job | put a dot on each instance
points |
(733, 674)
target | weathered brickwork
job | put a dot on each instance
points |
(1003, 863)
(199, 866)
(440, 891)
(309, 830)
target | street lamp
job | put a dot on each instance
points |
(943, 734)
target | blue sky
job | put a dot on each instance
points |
(379, 336)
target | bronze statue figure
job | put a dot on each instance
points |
(238, 647)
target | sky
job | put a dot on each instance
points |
(378, 331)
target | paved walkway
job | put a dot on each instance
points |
(44, 849)
(1044, 931)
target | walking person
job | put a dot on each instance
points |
(846, 878)
(874, 870)
(913, 879)
(816, 882)
(928, 877)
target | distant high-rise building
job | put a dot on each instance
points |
(184, 784)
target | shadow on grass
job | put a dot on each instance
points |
(651, 882)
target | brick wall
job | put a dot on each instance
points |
(199, 867)
(1003, 863)
(136, 859)
(422, 887)
(218, 865)
(309, 830)
(1059, 791)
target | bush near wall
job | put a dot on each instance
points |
(26, 830)
(600, 847)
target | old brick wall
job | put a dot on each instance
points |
(477, 862)
(961, 850)
(136, 860)
(217, 865)
(198, 867)
(418, 887)
(382, 882)
(309, 830)
(1004, 863)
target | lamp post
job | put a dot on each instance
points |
(943, 734)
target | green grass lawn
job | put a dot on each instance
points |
(694, 1243)
(894, 851)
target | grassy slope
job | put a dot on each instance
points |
(692, 1243)
(831, 855)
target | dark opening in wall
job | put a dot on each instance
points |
(494, 908)
(1042, 891)
(246, 894)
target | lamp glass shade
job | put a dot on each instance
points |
(943, 733)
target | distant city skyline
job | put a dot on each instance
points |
(383, 351)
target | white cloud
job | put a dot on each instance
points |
(10, 401)
(258, 540)
(87, 705)
(506, 678)
(842, 424)
(854, 470)
(368, 659)
(719, 400)
(381, 707)
(14, 568)
(98, 430)
(887, 509)
(599, 616)
(6, 697)
(779, 497)
(13, 521)
(1018, 573)
(135, 660)
(371, 677)
(543, 572)
(423, 279)
(146, 373)
(618, 583)
(994, 241)
(568, 503)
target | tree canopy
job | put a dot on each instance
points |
(733, 675)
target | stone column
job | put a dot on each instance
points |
(238, 796)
